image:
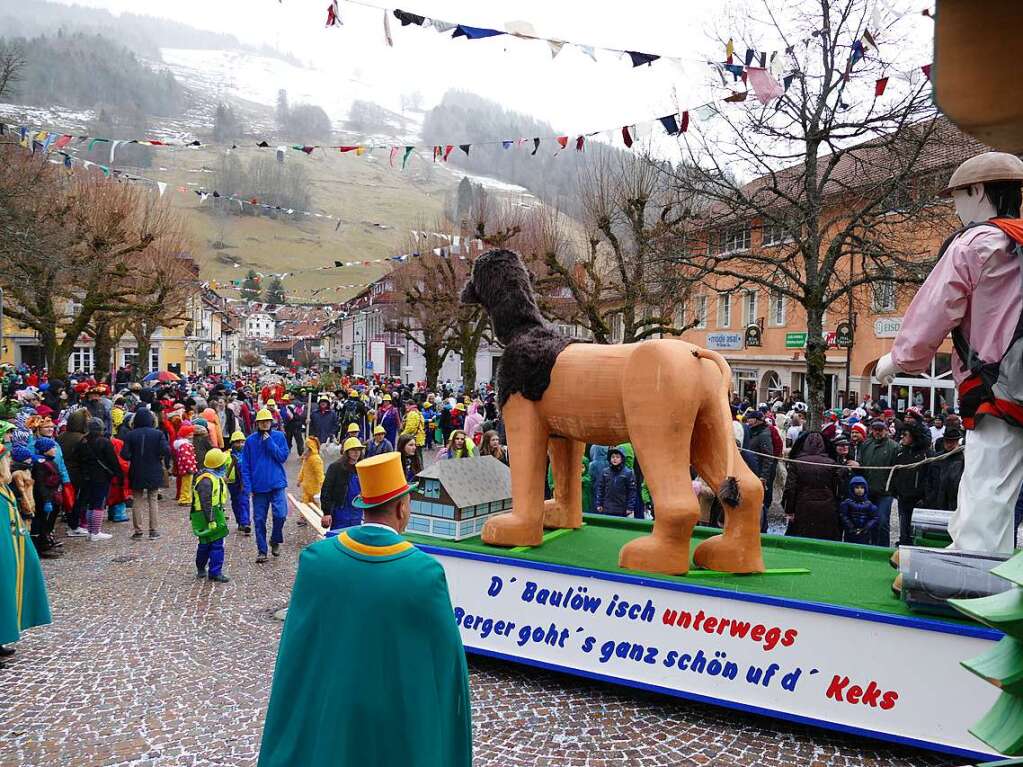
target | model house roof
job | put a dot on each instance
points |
(471, 481)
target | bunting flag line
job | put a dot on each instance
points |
(519, 29)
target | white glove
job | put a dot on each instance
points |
(886, 369)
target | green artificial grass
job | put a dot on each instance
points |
(841, 574)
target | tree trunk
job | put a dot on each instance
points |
(469, 350)
(434, 361)
(103, 345)
(144, 342)
(816, 357)
(61, 353)
(56, 366)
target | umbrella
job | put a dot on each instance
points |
(162, 376)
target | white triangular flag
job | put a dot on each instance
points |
(588, 50)
(162, 186)
(556, 46)
(113, 148)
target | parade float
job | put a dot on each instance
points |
(803, 630)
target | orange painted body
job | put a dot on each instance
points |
(670, 400)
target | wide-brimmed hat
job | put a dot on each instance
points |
(382, 479)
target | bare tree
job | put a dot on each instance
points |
(249, 358)
(626, 271)
(423, 311)
(12, 61)
(844, 182)
(70, 249)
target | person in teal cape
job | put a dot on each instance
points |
(394, 687)
(23, 600)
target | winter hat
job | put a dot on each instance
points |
(95, 426)
(21, 454)
(859, 427)
(186, 430)
(857, 482)
(952, 432)
(44, 444)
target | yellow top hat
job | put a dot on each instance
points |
(382, 479)
(353, 428)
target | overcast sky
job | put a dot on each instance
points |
(573, 92)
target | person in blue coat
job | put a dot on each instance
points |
(263, 474)
(616, 492)
(598, 462)
(387, 416)
(858, 515)
(340, 489)
(379, 444)
(147, 450)
(323, 422)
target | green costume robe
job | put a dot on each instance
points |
(371, 669)
(23, 600)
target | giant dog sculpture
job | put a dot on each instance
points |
(668, 397)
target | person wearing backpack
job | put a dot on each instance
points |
(974, 293)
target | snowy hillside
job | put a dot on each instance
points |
(237, 75)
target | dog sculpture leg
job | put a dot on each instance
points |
(566, 509)
(527, 453)
(717, 459)
(661, 438)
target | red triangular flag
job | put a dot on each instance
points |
(926, 69)
(684, 125)
(627, 136)
(563, 140)
(880, 85)
(447, 151)
(579, 143)
(436, 153)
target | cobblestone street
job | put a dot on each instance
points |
(145, 666)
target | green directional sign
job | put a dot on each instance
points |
(795, 340)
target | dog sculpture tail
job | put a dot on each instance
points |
(728, 493)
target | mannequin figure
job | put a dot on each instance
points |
(975, 292)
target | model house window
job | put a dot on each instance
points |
(777, 309)
(724, 310)
(749, 307)
(884, 292)
(700, 314)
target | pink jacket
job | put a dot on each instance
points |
(977, 281)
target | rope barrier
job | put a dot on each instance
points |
(891, 469)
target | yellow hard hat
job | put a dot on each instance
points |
(352, 443)
(353, 428)
(380, 430)
(353, 393)
(387, 398)
(215, 458)
(264, 415)
(270, 402)
(238, 437)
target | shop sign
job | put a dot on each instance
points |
(795, 340)
(724, 341)
(753, 336)
(887, 327)
(844, 335)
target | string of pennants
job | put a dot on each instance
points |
(761, 73)
(524, 30)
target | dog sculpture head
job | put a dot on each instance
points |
(500, 283)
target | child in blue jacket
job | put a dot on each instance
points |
(616, 492)
(859, 516)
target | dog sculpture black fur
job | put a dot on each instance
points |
(501, 284)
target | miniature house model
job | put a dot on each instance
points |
(454, 498)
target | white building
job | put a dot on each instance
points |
(260, 325)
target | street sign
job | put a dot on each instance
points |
(844, 335)
(795, 340)
(369, 364)
(753, 336)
